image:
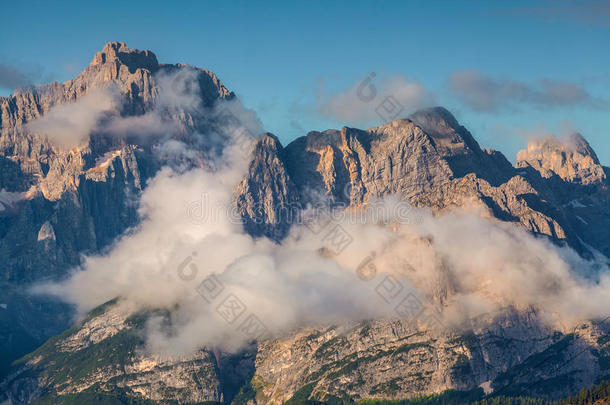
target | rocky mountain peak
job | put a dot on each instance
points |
(437, 121)
(577, 142)
(571, 158)
(448, 134)
(266, 191)
(132, 58)
(457, 145)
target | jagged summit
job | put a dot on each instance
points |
(574, 142)
(429, 159)
(459, 147)
(571, 158)
(134, 77)
(132, 58)
(448, 134)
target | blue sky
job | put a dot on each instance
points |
(507, 70)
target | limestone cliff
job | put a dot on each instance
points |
(430, 161)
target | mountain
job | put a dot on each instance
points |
(432, 161)
(103, 357)
(59, 202)
(575, 182)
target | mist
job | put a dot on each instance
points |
(69, 125)
(223, 288)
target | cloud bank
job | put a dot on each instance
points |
(222, 288)
(460, 263)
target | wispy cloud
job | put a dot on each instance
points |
(69, 125)
(363, 102)
(485, 93)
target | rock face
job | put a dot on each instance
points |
(106, 351)
(460, 149)
(570, 177)
(70, 200)
(411, 157)
(572, 160)
(511, 354)
(432, 161)
(266, 198)
(398, 360)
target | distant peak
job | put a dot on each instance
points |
(573, 143)
(132, 58)
(579, 144)
(447, 132)
(570, 157)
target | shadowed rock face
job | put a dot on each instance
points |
(266, 198)
(121, 365)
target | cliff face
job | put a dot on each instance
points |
(267, 197)
(398, 360)
(432, 161)
(572, 179)
(510, 354)
(78, 187)
(59, 200)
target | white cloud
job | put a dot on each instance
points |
(484, 93)
(69, 125)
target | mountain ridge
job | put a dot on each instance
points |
(78, 200)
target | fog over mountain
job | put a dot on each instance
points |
(199, 259)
